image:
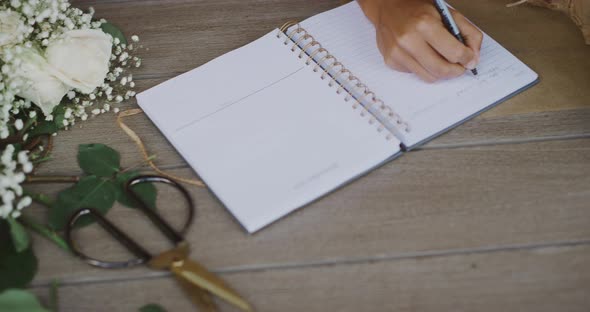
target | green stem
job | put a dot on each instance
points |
(45, 232)
(41, 160)
(28, 124)
(52, 179)
(53, 296)
(40, 198)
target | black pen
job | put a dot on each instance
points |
(450, 23)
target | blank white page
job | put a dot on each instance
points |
(428, 108)
(264, 132)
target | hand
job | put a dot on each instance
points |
(412, 38)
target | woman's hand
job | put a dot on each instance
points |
(412, 38)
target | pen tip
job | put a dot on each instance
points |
(474, 71)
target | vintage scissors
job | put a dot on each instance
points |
(193, 277)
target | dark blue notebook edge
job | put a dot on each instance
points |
(451, 127)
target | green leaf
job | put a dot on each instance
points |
(90, 192)
(20, 237)
(15, 300)
(44, 127)
(98, 159)
(152, 307)
(17, 269)
(146, 191)
(50, 126)
(59, 113)
(113, 31)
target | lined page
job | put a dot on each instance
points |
(264, 132)
(428, 108)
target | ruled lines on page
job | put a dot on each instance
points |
(428, 108)
(264, 131)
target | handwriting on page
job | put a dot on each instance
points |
(349, 36)
(496, 63)
(493, 65)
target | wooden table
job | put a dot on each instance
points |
(493, 216)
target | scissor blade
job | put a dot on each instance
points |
(201, 297)
(197, 275)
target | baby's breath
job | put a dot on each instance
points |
(13, 167)
(37, 25)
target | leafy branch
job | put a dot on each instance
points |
(103, 185)
(46, 232)
(100, 187)
(27, 135)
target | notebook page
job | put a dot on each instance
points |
(427, 108)
(264, 132)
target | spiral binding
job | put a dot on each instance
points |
(313, 49)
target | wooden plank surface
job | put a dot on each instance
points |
(491, 216)
(182, 35)
(536, 279)
(481, 131)
(439, 199)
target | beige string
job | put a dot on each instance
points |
(141, 146)
(516, 3)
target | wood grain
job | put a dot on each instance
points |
(182, 35)
(538, 279)
(480, 131)
(491, 216)
(429, 200)
(562, 88)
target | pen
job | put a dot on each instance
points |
(450, 23)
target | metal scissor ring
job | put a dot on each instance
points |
(142, 255)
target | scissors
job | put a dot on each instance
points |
(198, 283)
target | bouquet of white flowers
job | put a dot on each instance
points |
(57, 65)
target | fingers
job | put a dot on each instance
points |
(420, 43)
(398, 59)
(472, 35)
(455, 52)
(413, 54)
(432, 61)
(384, 43)
(402, 57)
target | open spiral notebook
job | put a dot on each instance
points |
(284, 120)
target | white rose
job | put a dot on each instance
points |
(41, 84)
(82, 57)
(12, 28)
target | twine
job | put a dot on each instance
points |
(516, 3)
(141, 146)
